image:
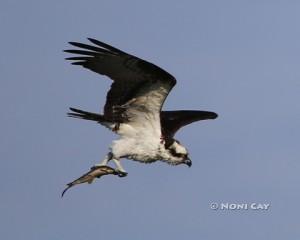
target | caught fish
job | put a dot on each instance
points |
(95, 172)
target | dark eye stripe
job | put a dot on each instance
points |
(179, 155)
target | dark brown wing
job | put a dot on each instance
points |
(133, 77)
(172, 121)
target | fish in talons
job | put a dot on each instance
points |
(95, 172)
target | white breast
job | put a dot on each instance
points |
(139, 140)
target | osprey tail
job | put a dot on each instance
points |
(77, 113)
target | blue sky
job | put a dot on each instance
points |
(237, 58)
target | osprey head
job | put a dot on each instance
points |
(179, 154)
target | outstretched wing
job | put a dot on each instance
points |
(138, 86)
(172, 121)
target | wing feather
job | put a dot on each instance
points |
(172, 121)
(133, 78)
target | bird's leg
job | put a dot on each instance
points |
(105, 161)
(120, 170)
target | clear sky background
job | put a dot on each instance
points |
(237, 58)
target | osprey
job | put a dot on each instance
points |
(133, 107)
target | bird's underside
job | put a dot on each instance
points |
(133, 110)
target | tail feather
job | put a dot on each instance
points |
(77, 113)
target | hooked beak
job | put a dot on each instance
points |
(188, 162)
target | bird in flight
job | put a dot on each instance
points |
(133, 109)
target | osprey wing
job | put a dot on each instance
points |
(137, 84)
(172, 121)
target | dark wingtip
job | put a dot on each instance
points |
(91, 39)
(94, 40)
(106, 46)
(73, 43)
(214, 115)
